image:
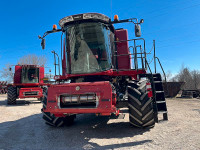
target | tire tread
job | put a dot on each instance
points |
(141, 112)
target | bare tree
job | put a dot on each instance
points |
(32, 59)
(6, 74)
(196, 79)
(168, 75)
(185, 76)
(191, 78)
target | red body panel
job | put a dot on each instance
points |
(17, 75)
(22, 92)
(132, 73)
(123, 49)
(103, 91)
(41, 74)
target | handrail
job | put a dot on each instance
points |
(148, 65)
(162, 69)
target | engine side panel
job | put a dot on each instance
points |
(123, 49)
(41, 74)
(17, 75)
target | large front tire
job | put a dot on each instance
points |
(49, 118)
(141, 112)
(12, 95)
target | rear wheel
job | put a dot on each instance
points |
(12, 95)
(141, 112)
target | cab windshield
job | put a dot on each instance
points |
(30, 75)
(88, 48)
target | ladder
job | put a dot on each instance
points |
(159, 97)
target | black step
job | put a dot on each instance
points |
(157, 77)
(159, 91)
(157, 81)
(158, 86)
(161, 106)
(160, 102)
(160, 97)
(162, 112)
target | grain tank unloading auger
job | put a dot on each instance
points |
(104, 74)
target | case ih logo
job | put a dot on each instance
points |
(78, 88)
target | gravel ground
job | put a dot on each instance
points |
(22, 127)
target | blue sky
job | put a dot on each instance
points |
(173, 24)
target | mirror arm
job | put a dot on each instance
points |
(133, 20)
(48, 32)
(45, 34)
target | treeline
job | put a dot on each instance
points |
(191, 78)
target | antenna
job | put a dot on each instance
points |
(111, 9)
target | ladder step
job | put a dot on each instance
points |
(159, 91)
(162, 112)
(157, 81)
(160, 102)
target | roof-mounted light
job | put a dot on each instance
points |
(84, 17)
(116, 18)
(54, 27)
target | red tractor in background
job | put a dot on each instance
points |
(28, 83)
(106, 71)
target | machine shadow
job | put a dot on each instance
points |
(87, 133)
(19, 102)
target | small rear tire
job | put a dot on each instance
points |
(12, 95)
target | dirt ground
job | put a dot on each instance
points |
(22, 127)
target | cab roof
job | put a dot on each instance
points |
(84, 16)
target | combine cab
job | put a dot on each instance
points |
(28, 83)
(107, 72)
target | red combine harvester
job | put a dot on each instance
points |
(28, 83)
(105, 72)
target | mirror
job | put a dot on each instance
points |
(10, 69)
(141, 21)
(39, 37)
(43, 43)
(137, 30)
